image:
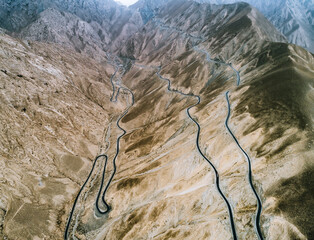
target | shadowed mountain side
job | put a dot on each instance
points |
(272, 114)
(293, 18)
(294, 200)
(17, 14)
(170, 33)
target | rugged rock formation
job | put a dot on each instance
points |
(293, 18)
(90, 27)
(56, 117)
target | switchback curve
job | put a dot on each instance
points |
(78, 195)
(113, 161)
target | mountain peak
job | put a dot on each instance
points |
(293, 18)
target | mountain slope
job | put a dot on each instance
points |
(168, 41)
(16, 15)
(54, 103)
(87, 26)
(231, 26)
(62, 109)
(293, 18)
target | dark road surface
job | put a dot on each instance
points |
(250, 178)
(259, 202)
(66, 232)
(101, 197)
(113, 98)
(200, 151)
(114, 161)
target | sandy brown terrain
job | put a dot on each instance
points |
(54, 110)
(56, 117)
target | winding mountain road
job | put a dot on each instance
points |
(114, 160)
(113, 98)
(234, 234)
(118, 83)
(66, 232)
(217, 61)
(250, 177)
(259, 202)
(102, 196)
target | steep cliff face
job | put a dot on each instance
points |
(93, 38)
(148, 8)
(294, 19)
(222, 70)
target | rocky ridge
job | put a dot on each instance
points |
(293, 18)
